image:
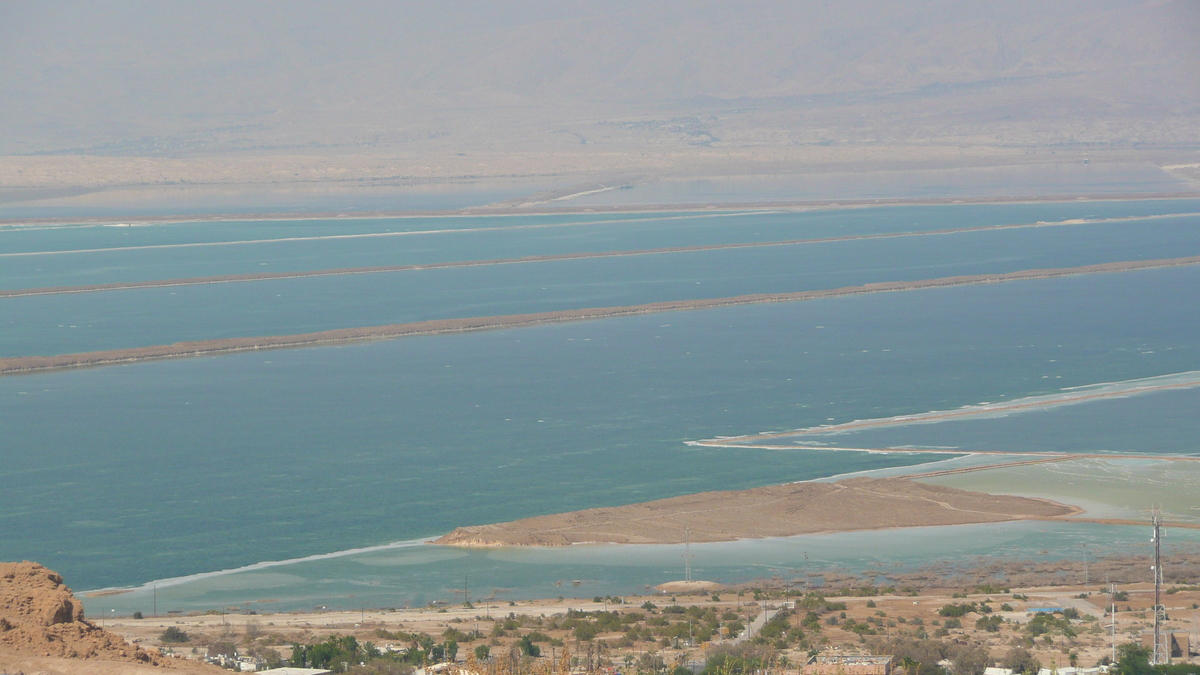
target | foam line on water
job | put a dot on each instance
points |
(367, 235)
(1071, 396)
(267, 564)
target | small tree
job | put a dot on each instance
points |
(1133, 659)
(269, 657)
(482, 652)
(1021, 660)
(970, 659)
(173, 635)
(528, 648)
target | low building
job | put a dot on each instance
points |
(1099, 670)
(848, 664)
(295, 671)
(1179, 645)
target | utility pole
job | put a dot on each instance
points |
(1112, 616)
(1160, 655)
(1086, 579)
(155, 599)
(687, 554)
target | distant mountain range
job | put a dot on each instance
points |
(152, 78)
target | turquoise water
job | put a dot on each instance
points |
(58, 324)
(163, 469)
(130, 474)
(105, 257)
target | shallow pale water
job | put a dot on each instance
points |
(414, 574)
(1105, 488)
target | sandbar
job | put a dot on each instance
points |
(772, 511)
(29, 364)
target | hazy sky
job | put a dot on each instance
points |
(86, 73)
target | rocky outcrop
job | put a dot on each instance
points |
(40, 617)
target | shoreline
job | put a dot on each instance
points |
(488, 210)
(915, 474)
(33, 364)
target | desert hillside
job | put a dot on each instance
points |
(585, 89)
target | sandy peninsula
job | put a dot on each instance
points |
(773, 511)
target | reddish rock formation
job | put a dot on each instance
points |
(40, 617)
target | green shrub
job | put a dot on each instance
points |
(173, 635)
(990, 624)
(956, 610)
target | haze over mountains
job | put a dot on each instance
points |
(587, 87)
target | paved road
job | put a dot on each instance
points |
(755, 625)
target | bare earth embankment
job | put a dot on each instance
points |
(773, 511)
(522, 206)
(42, 629)
(25, 364)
